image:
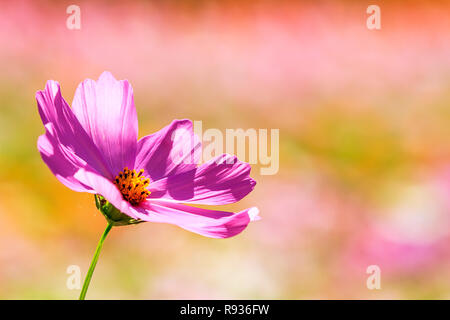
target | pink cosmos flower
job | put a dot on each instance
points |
(93, 147)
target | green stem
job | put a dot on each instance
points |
(94, 262)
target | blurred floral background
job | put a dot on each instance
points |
(364, 120)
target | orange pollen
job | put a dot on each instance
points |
(132, 185)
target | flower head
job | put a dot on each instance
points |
(93, 147)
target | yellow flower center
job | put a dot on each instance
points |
(132, 185)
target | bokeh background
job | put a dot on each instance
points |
(364, 120)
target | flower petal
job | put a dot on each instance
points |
(107, 189)
(62, 162)
(222, 180)
(105, 109)
(66, 129)
(173, 149)
(209, 223)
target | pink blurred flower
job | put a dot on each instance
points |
(93, 148)
(411, 235)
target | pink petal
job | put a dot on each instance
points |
(209, 223)
(65, 130)
(107, 189)
(62, 162)
(105, 109)
(173, 149)
(222, 180)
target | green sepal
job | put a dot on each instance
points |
(112, 214)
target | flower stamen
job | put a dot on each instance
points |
(132, 185)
